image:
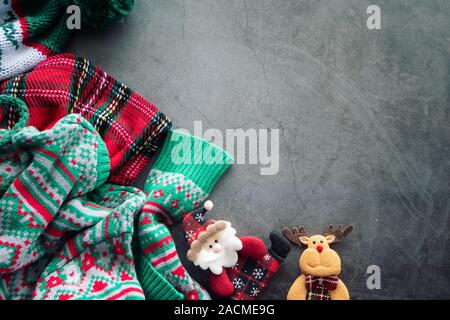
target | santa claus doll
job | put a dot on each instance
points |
(239, 267)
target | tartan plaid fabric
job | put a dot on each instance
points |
(250, 277)
(131, 126)
(319, 287)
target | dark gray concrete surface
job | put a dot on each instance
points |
(364, 118)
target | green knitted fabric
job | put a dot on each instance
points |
(194, 158)
(154, 285)
(178, 182)
(31, 30)
(55, 159)
(87, 249)
(64, 232)
(98, 13)
(94, 258)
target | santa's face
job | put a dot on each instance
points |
(220, 251)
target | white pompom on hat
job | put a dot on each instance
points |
(208, 205)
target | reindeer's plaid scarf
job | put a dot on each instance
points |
(131, 126)
(319, 287)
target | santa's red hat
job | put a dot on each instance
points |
(198, 229)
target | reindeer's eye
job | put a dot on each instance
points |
(314, 242)
(216, 241)
(321, 241)
(210, 246)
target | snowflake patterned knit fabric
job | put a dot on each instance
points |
(64, 232)
(96, 262)
(184, 174)
(87, 249)
(38, 172)
(131, 127)
(32, 30)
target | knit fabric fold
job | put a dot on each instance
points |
(38, 172)
(87, 249)
(97, 262)
(154, 285)
(32, 30)
(64, 232)
(175, 186)
(131, 127)
(47, 167)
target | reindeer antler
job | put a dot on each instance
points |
(294, 234)
(338, 232)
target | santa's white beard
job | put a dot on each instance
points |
(226, 258)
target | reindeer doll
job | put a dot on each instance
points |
(319, 264)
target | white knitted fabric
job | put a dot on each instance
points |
(15, 56)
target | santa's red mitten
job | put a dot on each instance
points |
(250, 276)
(253, 248)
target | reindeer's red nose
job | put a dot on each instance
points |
(319, 248)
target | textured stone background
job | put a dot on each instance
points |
(364, 118)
